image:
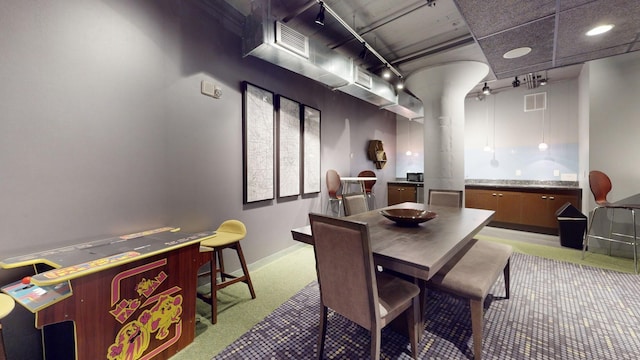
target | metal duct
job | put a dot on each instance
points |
(281, 45)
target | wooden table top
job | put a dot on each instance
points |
(416, 251)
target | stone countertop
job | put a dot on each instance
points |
(534, 184)
(405, 182)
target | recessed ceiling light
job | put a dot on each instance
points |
(517, 52)
(599, 30)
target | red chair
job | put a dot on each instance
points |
(600, 185)
(368, 187)
(333, 188)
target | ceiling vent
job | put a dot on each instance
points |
(266, 38)
(535, 102)
(292, 40)
(363, 79)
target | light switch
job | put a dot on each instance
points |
(556, 172)
(518, 172)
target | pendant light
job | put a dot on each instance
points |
(543, 146)
(408, 153)
(487, 148)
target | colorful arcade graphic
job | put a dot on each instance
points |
(145, 312)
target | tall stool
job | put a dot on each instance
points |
(600, 185)
(228, 236)
(368, 187)
(6, 306)
(333, 187)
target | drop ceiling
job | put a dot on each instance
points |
(411, 35)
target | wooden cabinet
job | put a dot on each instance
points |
(539, 209)
(399, 193)
(506, 204)
(523, 208)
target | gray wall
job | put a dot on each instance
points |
(104, 130)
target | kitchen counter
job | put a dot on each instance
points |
(405, 182)
(521, 184)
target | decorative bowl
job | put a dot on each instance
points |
(410, 217)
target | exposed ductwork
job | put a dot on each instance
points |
(273, 41)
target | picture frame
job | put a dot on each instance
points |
(311, 150)
(289, 147)
(258, 131)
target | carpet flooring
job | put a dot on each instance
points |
(557, 310)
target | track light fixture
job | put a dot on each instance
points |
(431, 3)
(320, 16)
(400, 84)
(486, 89)
(386, 73)
(367, 49)
(516, 82)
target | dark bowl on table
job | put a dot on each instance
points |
(408, 217)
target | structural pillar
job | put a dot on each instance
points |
(442, 90)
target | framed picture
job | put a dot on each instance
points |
(258, 143)
(289, 135)
(310, 150)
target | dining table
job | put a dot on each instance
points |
(421, 250)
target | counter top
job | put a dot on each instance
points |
(405, 182)
(527, 184)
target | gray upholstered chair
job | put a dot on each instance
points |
(442, 197)
(350, 285)
(354, 203)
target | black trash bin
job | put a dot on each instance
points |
(572, 225)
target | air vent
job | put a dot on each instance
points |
(363, 79)
(535, 102)
(292, 40)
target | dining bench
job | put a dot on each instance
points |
(470, 275)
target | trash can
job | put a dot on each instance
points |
(572, 225)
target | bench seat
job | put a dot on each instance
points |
(470, 275)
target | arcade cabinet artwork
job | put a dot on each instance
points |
(131, 297)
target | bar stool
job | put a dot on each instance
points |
(333, 187)
(600, 185)
(228, 236)
(368, 187)
(6, 306)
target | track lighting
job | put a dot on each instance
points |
(320, 16)
(516, 82)
(543, 82)
(431, 3)
(386, 73)
(486, 90)
(400, 84)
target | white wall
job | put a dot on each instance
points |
(500, 121)
(614, 122)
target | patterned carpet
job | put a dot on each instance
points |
(557, 310)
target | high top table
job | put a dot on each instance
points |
(130, 297)
(347, 181)
(418, 251)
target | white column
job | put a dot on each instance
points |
(442, 90)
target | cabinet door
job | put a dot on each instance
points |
(397, 194)
(480, 199)
(539, 209)
(509, 207)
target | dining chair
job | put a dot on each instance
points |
(228, 236)
(333, 190)
(6, 306)
(443, 197)
(351, 287)
(354, 203)
(600, 185)
(368, 187)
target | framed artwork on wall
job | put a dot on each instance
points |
(258, 143)
(289, 135)
(310, 150)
